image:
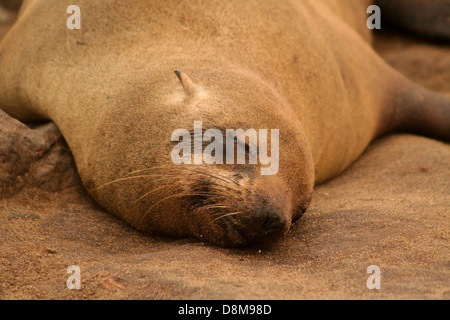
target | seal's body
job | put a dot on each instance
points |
(303, 67)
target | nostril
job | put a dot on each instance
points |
(267, 221)
(273, 222)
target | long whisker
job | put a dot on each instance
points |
(137, 177)
(177, 184)
(212, 206)
(121, 179)
(217, 187)
(225, 179)
(225, 187)
(227, 215)
(183, 195)
(228, 180)
(167, 176)
(157, 189)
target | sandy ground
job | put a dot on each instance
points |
(390, 209)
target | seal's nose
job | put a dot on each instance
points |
(273, 222)
(265, 224)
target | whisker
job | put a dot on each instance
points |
(213, 176)
(210, 207)
(183, 195)
(168, 176)
(201, 180)
(120, 179)
(176, 184)
(227, 215)
(137, 177)
(157, 189)
(228, 180)
(215, 206)
(225, 187)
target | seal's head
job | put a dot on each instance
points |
(224, 161)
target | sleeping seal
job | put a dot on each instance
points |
(302, 67)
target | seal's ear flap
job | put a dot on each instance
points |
(189, 87)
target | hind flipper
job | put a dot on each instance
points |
(412, 108)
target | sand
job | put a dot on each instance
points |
(390, 209)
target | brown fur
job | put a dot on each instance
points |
(290, 65)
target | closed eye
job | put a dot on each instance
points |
(208, 140)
